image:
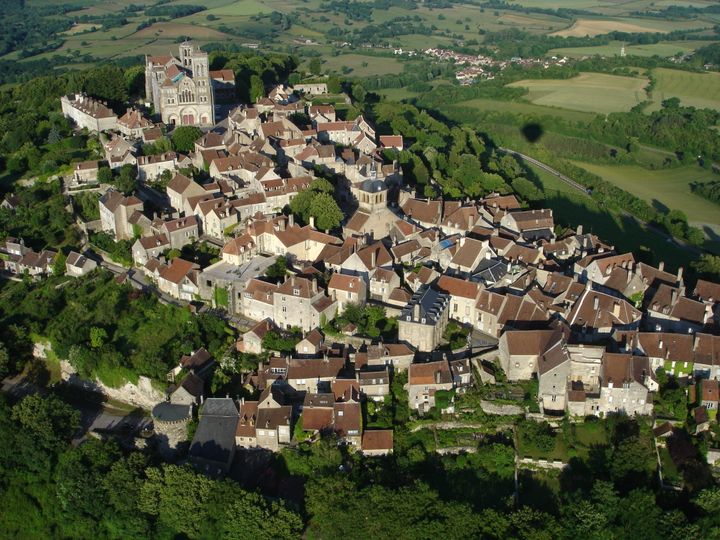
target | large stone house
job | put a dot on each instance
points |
(424, 319)
(116, 212)
(88, 113)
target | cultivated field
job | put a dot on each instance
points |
(695, 89)
(669, 188)
(590, 92)
(596, 27)
(529, 109)
(363, 66)
(665, 49)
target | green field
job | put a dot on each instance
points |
(590, 92)
(572, 208)
(664, 49)
(363, 66)
(696, 89)
(527, 109)
(667, 188)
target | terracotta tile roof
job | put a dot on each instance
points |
(707, 291)
(248, 419)
(505, 202)
(709, 390)
(458, 287)
(391, 141)
(133, 119)
(429, 373)
(315, 368)
(348, 419)
(489, 302)
(222, 74)
(260, 290)
(531, 342)
(406, 248)
(533, 219)
(345, 389)
(345, 283)
(707, 349)
(377, 439)
(624, 368)
(177, 270)
(598, 310)
(273, 418)
(155, 241)
(422, 210)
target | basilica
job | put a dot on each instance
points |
(181, 90)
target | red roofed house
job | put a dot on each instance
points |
(347, 290)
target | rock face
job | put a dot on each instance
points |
(142, 394)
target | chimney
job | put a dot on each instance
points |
(281, 224)
(470, 222)
(314, 286)
(680, 274)
(661, 266)
(325, 358)
(462, 241)
(291, 220)
(437, 377)
(416, 312)
(596, 303)
(616, 309)
(292, 280)
(579, 230)
(673, 298)
(312, 222)
(660, 344)
(373, 259)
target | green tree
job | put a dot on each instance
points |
(315, 66)
(184, 137)
(126, 180)
(326, 212)
(98, 336)
(48, 419)
(257, 88)
(708, 265)
(105, 175)
(58, 266)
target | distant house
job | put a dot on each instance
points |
(347, 290)
(377, 442)
(84, 173)
(189, 392)
(88, 113)
(179, 279)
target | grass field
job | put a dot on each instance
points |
(571, 208)
(696, 89)
(527, 109)
(590, 92)
(668, 188)
(363, 66)
(664, 49)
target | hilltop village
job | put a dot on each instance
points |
(444, 295)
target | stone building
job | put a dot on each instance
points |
(424, 318)
(88, 113)
(181, 90)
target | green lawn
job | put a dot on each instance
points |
(696, 89)
(669, 188)
(590, 92)
(527, 109)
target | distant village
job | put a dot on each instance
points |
(480, 67)
(592, 325)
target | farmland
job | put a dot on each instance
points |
(666, 48)
(591, 92)
(695, 89)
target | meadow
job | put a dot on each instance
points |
(665, 188)
(529, 109)
(571, 208)
(664, 49)
(590, 92)
(696, 89)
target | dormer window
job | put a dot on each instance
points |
(296, 292)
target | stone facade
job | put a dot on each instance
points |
(181, 90)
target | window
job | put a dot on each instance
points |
(296, 292)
